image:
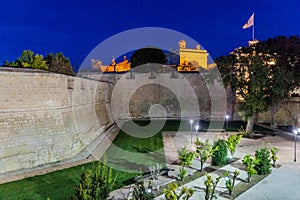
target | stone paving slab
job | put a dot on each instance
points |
(282, 183)
(199, 187)
(243, 174)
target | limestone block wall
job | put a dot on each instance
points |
(179, 95)
(288, 113)
(46, 118)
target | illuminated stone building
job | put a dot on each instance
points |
(191, 60)
(123, 66)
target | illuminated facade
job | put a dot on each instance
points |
(123, 66)
(191, 60)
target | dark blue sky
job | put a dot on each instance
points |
(76, 27)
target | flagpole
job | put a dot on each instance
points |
(253, 32)
(253, 28)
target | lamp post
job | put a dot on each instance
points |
(226, 117)
(197, 128)
(295, 147)
(191, 122)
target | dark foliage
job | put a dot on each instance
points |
(220, 155)
(148, 55)
(263, 165)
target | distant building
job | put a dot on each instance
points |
(123, 66)
(191, 60)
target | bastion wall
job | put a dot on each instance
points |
(181, 95)
(46, 118)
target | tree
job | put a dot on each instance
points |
(95, 183)
(285, 66)
(148, 55)
(29, 60)
(250, 163)
(226, 67)
(59, 64)
(204, 151)
(274, 158)
(210, 187)
(184, 194)
(262, 74)
(230, 179)
(186, 157)
(232, 142)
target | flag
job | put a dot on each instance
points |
(250, 22)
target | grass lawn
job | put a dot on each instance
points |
(60, 184)
(128, 156)
(56, 185)
(133, 154)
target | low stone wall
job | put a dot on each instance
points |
(46, 118)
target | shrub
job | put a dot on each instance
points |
(263, 165)
(232, 142)
(182, 172)
(230, 179)
(250, 163)
(170, 192)
(244, 133)
(210, 186)
(220, 156)
(204, 151)
(95, 183)
(140, 192)
(274, 157)
(186, 158)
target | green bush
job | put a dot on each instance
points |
(250, 163)
(263, 165)
(232, 142)
(140, 191)
(182, 173)
(95, 183)
(210, 187)
(220, 156)
(204, 150)
(230, 179)
(274, 151)
(186, 158)
(172, 194)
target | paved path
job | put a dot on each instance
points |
(198, 184)
(282, 183)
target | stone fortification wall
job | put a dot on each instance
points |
(46, 118)
(178, 95)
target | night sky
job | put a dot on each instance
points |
(76, 27)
